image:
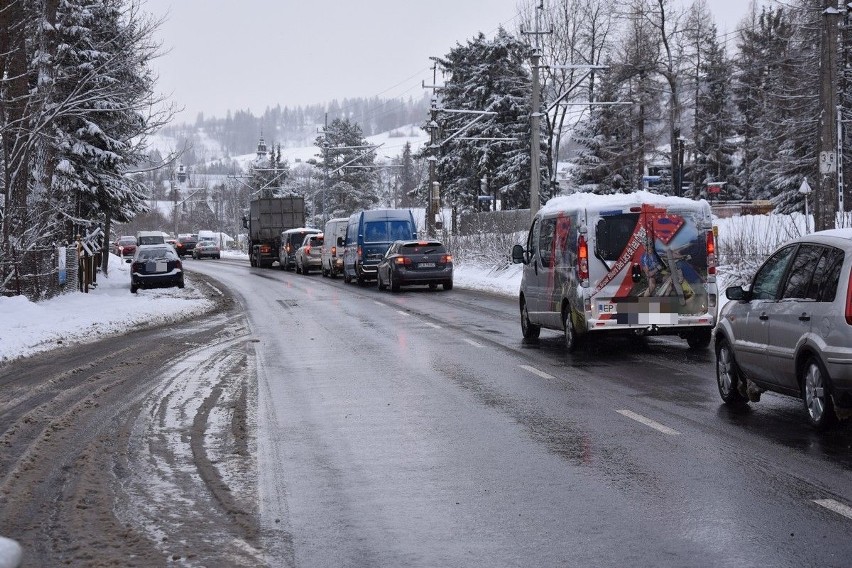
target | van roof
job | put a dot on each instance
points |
(619, 200)
(375, 214)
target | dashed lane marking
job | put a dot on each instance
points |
(402, 313)
(430, 324)
(471, 342)
(835, 506)
(648, 422)
(535, 371)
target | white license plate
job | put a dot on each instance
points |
(426, 265)
(162, 266)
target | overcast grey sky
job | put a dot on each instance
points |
(253, 54)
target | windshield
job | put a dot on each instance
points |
(385, 231)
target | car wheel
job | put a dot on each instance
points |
(180, 283)
(218, 257)
(133, 289)
(379, 282)
(394, 282)
(816, 392)
(529, 330)
(448, 285)
(571, 339)
(728, 375)
(699, 338)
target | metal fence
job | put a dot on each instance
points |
(38, 274)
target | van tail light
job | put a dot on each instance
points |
(849, 300)
(265, 249)
(360, 253)
(404, 260)
(333, 251)
(288, 248)
(582, 258)
(711, 253)
(308, 249)
(447, 259)
(178, 264)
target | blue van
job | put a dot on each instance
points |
(369, 234)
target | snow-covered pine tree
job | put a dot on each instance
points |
(350, 188)
(713, 128)
(487, 75)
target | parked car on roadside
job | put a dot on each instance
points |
(415, 262)
(790, 330)
(155, 266)
(185, 245)
(309, 255)
(124, 246)
(206, 249)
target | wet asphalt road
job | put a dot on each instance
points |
(419, 429)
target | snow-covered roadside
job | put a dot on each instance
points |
(28, 327)
(110, 309)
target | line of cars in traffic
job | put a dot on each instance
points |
(377, 245)
(156, 261)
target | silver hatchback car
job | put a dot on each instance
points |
(790, 331)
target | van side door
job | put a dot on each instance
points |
(549, 295)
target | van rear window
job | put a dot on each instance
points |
(386, 231)
(612, 234)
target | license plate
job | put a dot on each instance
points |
(426, 265)
(162, 266)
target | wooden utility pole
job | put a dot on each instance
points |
(825, 204)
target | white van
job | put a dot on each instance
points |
(150, 238)
(333, 247)
(637, 263)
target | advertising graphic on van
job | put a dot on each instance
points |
(641, 263)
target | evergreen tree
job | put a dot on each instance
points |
(408, 179)
(714, 133)
(345, 155)
(487, 75)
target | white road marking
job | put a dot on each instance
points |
(535, 371)
(218, 291)
(378, 303)
(402, 312)
(648, 422)
(430, 324)
(835, 506)
(471, 342)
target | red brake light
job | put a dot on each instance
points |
(308, 249)
(179, 264)
(333, 251)
(447, 258)
(582, 258)
(288, 248)
(402, 260)
(849, 300)
(711, 253)
(359, 252)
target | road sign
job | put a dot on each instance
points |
(827, 162)
(805, 187)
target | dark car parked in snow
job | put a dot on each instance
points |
(155, 266)
(416, 262)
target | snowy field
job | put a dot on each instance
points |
(110, 309)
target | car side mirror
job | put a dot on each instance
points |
(735, 293)
(518, 255)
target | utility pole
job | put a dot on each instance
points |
(434, 188)
(825, 204)
(535, 116)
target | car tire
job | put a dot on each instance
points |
(529, 330)
(728, 375)
(133, 289)
(180, 283)
(699, 338)
(816, 393)
(394, 282)
(218, 257)
(571, 340)
(448, 285)
(379, 283)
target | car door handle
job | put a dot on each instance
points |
(763, 316)
(804, 317)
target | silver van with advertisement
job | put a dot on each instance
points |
(636, 263)
(333, 247)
